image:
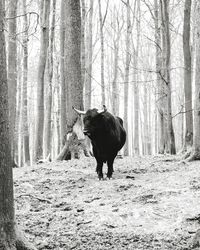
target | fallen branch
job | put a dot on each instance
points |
(83, 222)
(37, 198)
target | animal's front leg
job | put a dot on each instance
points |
(110, 167)
(99, 169)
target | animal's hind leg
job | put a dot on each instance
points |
(110, 167)
(99, 169)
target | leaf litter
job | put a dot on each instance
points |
(151, 203)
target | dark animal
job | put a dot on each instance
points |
(107, 136)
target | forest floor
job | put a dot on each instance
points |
(151, 203)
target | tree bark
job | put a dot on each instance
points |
(7, 233)
(44, 41)
(126, 78)
(195, 154)
(9, 237)
(88, 73)
(166, 77)
(19, 109)
(115, 84)
(103, 95)
(160, 95)
(49, 71)
(72, 67)
(25, 132)
(187, 77)
(12, 68)
(83, 50)
(136, 88)
(63, 103)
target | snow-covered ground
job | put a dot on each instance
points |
(151, 203)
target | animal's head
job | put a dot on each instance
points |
(91, 120)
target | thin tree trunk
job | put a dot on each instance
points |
(159, 126)
(63, 109)
(49, 71)
(83, 51)
(136, 88)
(163, 98)
(103, 96)
(56, 106)
(44, 41)
(115, 84)
(19, 108)
(126, 78)
(88, 73)
(195, 155)
(149, 110)
(25, 132)
(166, 77)
(187, 77)
(12, 68)
(171, 137)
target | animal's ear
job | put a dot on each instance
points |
(102, 110)
(79, 112)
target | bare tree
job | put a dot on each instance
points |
(63, 103)
(167, 77)
(115, 85)
(126, 77)
(187, 77)
(25, 130)
(72, 62)
(83, 50)
(136, 86)
(49, 74)
(10, 238)
(44, 42)
(12, 68)
(195, 155)
(89, 52)
(102, 21)
(159, 93)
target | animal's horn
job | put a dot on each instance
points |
(102, 110)
(79, 111)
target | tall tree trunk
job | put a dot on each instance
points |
(25, 129)
(56, 100)
(12, 68)
(166, 77)
(195, 155)
(88, 73)
(83, 51)
(136, 87)
(126, 78)
(7, 233)
(44, 41)
(101, 21)
(9, 237)
(19, 107)
(63, 103)
(73, 59)
(49, 71)
(75, 139)
(115, 85)
(160, 95)
(187, 77)
(150, 112)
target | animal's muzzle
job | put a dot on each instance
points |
(86, 132)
